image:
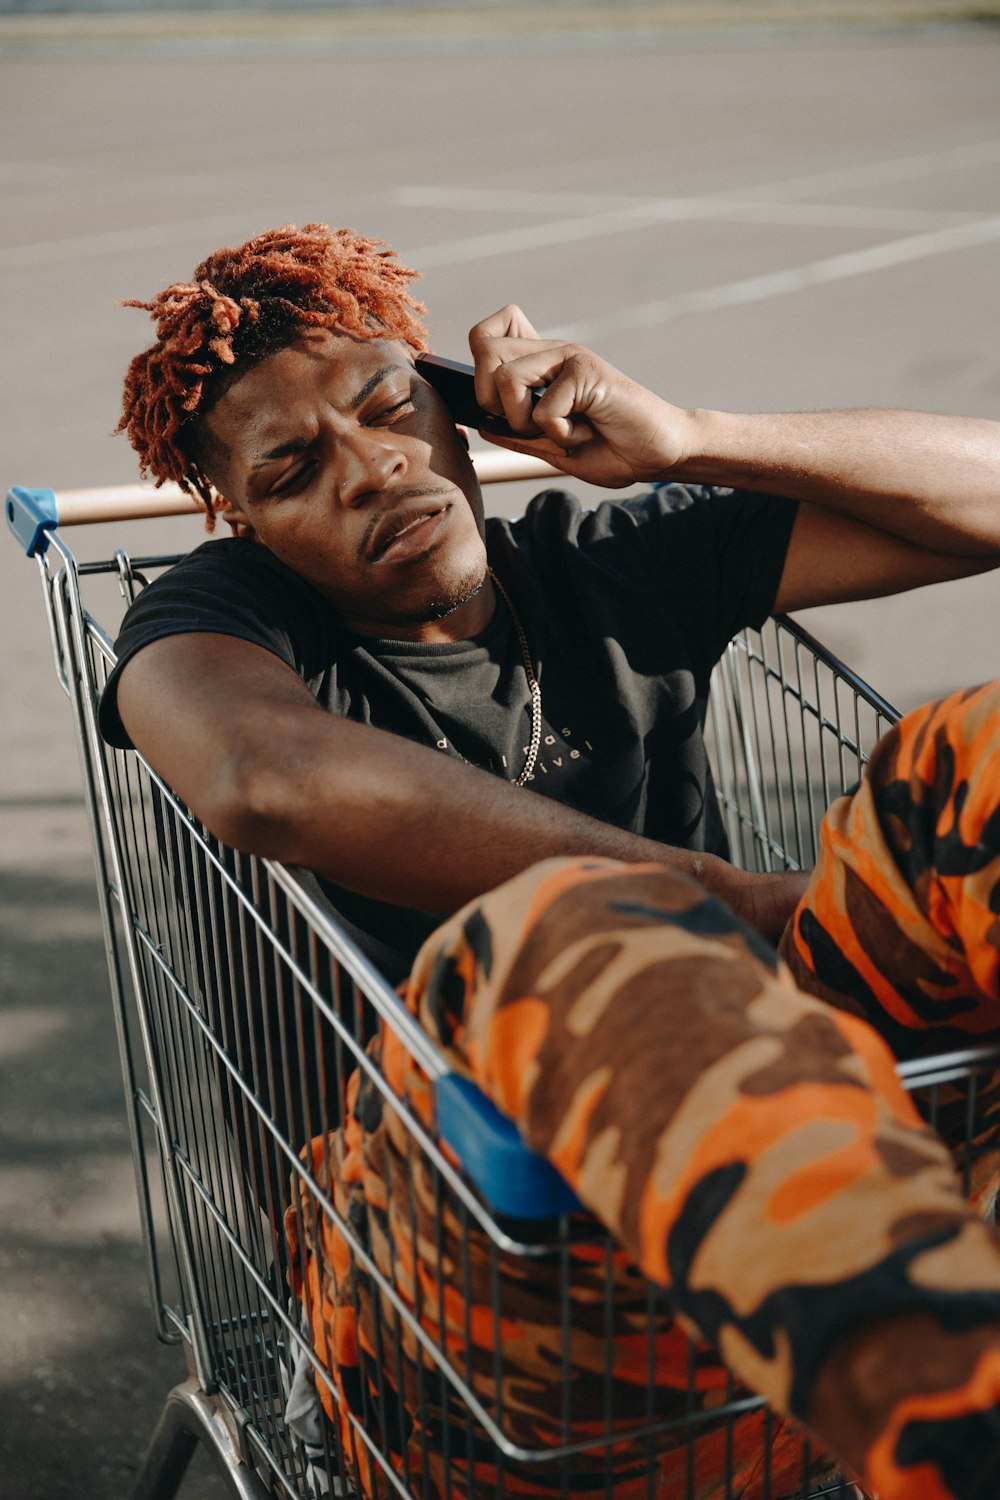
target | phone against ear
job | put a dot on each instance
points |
(455, 384)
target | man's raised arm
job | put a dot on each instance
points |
(242, 741)
(893, 499)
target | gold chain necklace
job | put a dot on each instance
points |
(533, 688)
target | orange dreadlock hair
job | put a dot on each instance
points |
(243, 305)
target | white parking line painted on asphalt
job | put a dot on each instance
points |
(588, 226)
(714, 206)
(114, 242)
(970, 154)
(595, 215)
(515, 200)
(591, 215)
(875, 173)
(644, 315)
(629, 219)
(531, 237)
(645, 211)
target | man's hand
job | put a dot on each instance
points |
(591, 421)
(895, 500)
(767, 901)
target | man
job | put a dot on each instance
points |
(364, 582)
(282, 391)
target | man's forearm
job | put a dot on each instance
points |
(946, 470)
(402, 823)
(243, 742)
(931, 481)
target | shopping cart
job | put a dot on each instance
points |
(246, 1018)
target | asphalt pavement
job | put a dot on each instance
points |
(753, 219)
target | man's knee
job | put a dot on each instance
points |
(568, 925)
(899, 921)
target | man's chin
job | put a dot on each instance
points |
(441, 608)
(445, 604)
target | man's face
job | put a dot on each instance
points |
(349, 468)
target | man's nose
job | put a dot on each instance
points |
(369, 463)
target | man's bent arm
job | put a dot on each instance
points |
(241, 740)
(944, 470)
(892, 499)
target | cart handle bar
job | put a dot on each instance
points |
(32, 514)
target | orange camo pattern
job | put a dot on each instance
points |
(747, 1144)
(750, 1146)
(901, 922)
(900, 1482)
(445, 1270)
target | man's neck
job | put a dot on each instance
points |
(468, 619)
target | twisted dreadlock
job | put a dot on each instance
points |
(243, 305)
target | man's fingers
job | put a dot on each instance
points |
(549, 380)
(503, 336)
(567, 395)
(518, 380)
(488, 341)
(553, 453)
(507, 323)
(572, 435)
(550, 389)
(567, 404)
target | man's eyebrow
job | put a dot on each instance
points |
(283, 450)
(373, 380)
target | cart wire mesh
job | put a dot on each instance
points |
(243, 1015)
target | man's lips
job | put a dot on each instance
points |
(402, 532)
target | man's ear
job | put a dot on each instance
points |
(463, 433)
(234, 518)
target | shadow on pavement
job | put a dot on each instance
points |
(82, 1376)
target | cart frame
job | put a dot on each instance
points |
(790, 728)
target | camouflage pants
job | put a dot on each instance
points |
(748, 1144)
(901, 923)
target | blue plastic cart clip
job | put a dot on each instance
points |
(31, 514)
(514, 1180)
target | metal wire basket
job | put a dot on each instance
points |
(243, 1014)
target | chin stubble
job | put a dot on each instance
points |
(438, 609)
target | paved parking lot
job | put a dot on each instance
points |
(769, 220)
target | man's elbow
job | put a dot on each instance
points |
(253, 807)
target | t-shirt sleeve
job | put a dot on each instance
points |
(750, 534)
(230, 587)
(710, 558)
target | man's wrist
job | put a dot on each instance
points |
(673, 438)
(766, 902)
(721, 879)
(717, 446)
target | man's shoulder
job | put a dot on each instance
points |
(234, 569)
(233, 556)
(231, 585)
(557, 516)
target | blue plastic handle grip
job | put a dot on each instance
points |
(31, 515)
(514, 1181)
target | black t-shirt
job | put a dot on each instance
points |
(626, 608)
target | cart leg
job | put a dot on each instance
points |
(190, 1417)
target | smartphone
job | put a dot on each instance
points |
(455, 384)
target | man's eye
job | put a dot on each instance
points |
(296, 479)
(395, 409)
